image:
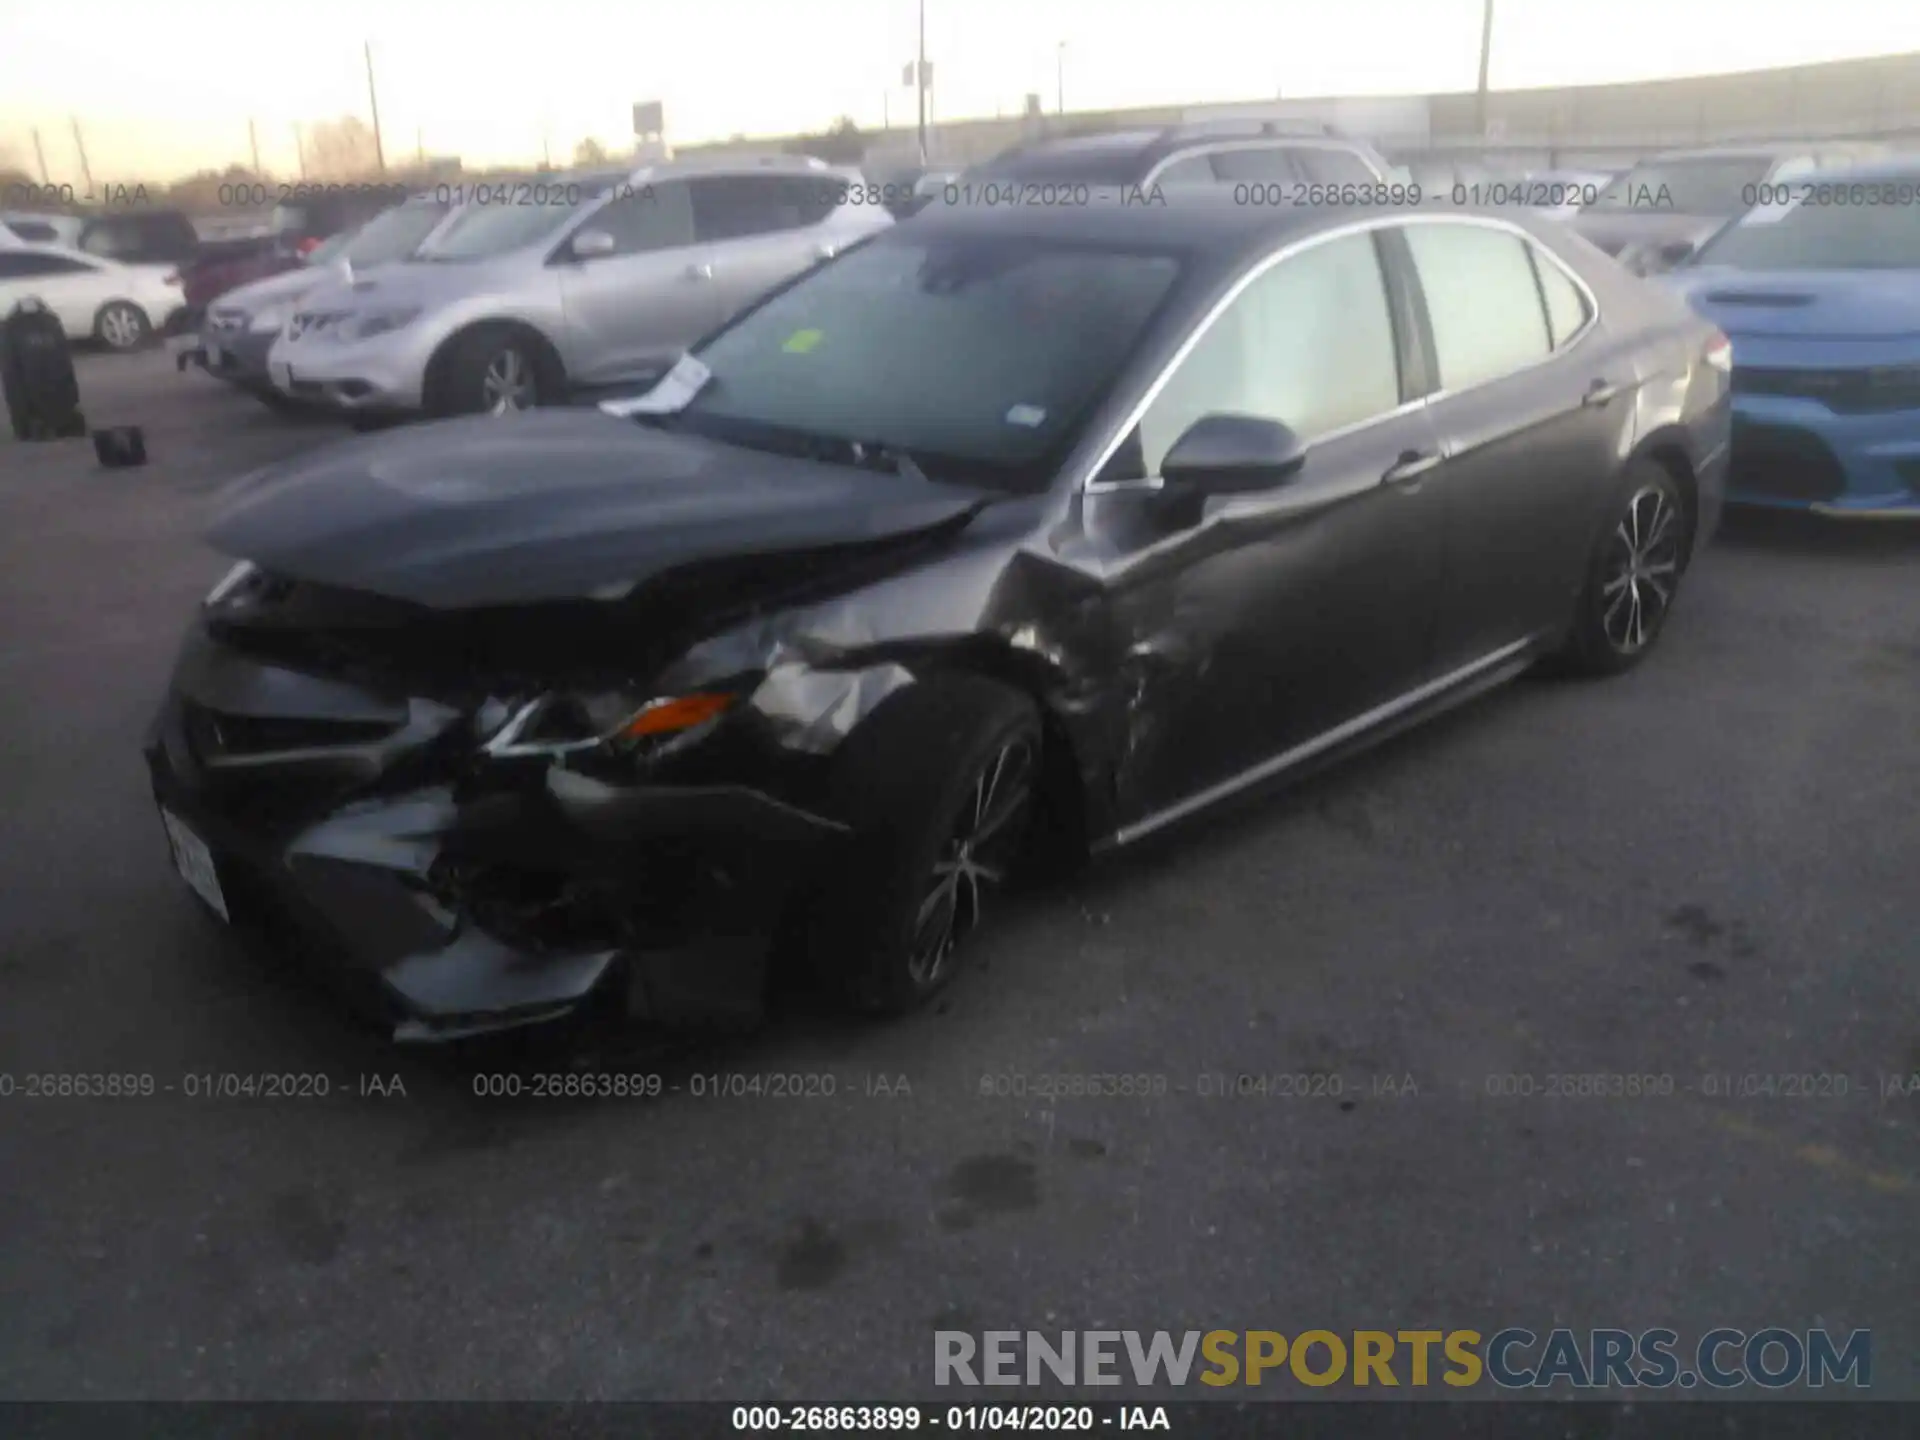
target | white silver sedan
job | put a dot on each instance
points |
(121, 306)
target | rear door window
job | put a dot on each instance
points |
(735, 207)
(654, 217)
(1483, 302)
(1332, 166)
(1260, 164)
(1188, 170)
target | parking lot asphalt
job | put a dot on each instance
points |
(1703, 869)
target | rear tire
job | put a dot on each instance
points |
(122, 326)
(939, 787)
(1633, 575)
(492, 370)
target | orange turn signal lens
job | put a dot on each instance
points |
(682, 712)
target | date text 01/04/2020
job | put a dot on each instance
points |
(1043, 1418)
(201, 1085)
(699, 1085)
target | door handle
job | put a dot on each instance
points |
(825, 252)
(1411, 465)
(1599, 393)
(701, 271)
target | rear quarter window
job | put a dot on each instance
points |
(1333, 166)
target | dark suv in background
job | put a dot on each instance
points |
(296, 229)
(141, 237)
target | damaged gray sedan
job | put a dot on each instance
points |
(1007, 534)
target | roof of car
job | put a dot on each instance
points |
(1198, 220)
(1760, 150)
(1883, 167)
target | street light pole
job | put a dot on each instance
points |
(1060, 77)
(1486, 53)
(920, 81)
(373, 101)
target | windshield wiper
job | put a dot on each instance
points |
(870, 455)
(807, 445)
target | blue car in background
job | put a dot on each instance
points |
(1818, 287)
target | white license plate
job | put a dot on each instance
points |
(282, 374)
(194, 861)
(216, 357)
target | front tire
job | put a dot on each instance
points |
(938, 786)
(122, 326)
(493, 371)
(1634, 575)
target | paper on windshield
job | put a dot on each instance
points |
(678, 386)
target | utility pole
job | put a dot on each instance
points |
(886, 108)
(86, 171)
(300, 148)
(1060, 76)
(1486, 53)
(40, 154)
(253, 144)
(420, 144)
(920, 81)
(373, 99)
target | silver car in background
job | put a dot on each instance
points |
(565, 283)
(242, 325)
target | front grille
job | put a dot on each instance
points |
(1846, 392)
(1783, 464)
(213, 734)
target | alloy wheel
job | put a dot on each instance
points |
(120, 327)
(975, 858)
(1642, 571)
(508, 383)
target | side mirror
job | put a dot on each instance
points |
(591, 244)
(1676, 251)
(1233, 455)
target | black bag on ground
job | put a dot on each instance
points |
(36, 370)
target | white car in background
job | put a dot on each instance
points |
(31, 227)
(121, 306)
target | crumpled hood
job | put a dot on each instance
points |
(1805, 304)
(560, 504)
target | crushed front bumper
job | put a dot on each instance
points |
(447, 902)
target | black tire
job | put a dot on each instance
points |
(462, 379)
(910, 782)
(1624, 608)
(128, 322)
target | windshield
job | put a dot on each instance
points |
(391, 235)
(1814, 236)
(481, 229)
(976, 356)
(1721, 185)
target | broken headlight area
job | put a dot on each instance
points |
(587, 726)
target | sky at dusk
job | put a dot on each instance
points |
(161, 89)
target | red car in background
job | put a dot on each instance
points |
(297, 225)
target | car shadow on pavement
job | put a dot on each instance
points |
(1794, 532)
